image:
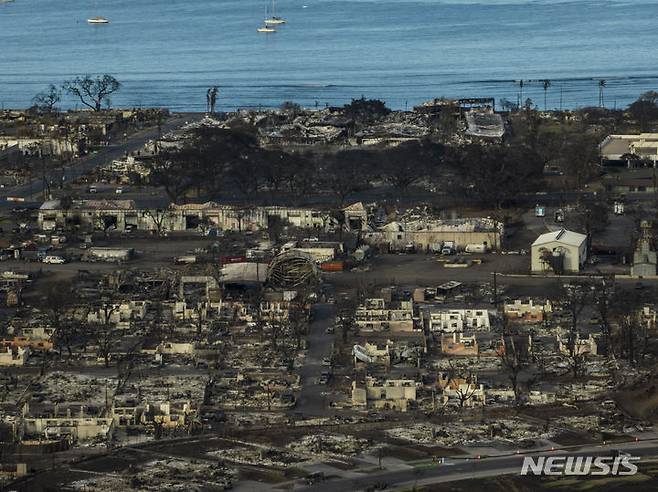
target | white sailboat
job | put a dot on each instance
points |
(266, 29)
(273, 20)
(97, 19)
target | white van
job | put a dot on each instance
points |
(54, 260)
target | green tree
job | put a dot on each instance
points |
(346, 173)
(366, 110)
(645, 110)
(408, 163)
(493, 175)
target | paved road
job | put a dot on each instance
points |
(455, 470)
(311, 401)
(85, 164)
(424, 270)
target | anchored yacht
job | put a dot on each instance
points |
(274, 20)
(98, 20)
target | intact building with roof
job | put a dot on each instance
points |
(621, 147)
(560, 251)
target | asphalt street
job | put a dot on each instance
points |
(454, 470)
(312, 401)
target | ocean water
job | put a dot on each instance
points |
(168, 52)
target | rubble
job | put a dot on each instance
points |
(330, 445)
(163, 474)
(496, 433)
(257, 456)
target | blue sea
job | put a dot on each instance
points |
(168, 52)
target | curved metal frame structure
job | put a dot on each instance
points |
(292, 269)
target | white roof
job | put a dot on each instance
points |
(562, 236)
(244, 272)
(50, 205)
(392, 227)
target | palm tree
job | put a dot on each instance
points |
(520, 92)
(546, 84)
(602, 84)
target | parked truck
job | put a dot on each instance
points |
(448, 248)
(362, 253)
(185, 260)
(436, 247)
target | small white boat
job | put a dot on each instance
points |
(98, 20)
(266, 28)
(273, 20)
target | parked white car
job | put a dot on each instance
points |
(54, 260)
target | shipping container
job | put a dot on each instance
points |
(332, 266)
(233, 259)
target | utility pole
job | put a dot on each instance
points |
(655, 191)
(495, 289)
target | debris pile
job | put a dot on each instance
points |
(169, 474)
(330, 445)
(503, 432)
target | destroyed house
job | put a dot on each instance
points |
(370, 353)
(119, 313)
(485, 124)
(581, 346)
(277, 305)
(458, 344)
(74, 428)
(460, 391)
(457, 320)
(52, 146)
(527, 311)
(390, 394)
(167, 415)
(33, 344)
(13, 355)
(198, 288)
(379, 315)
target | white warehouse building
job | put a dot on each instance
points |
(559, 252)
